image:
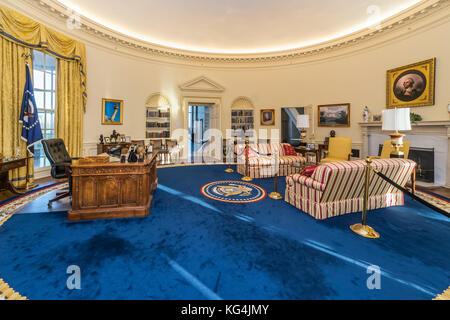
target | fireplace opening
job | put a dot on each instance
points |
(424, 157)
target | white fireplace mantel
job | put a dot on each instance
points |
(435, 130)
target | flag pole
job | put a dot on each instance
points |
(28, 185)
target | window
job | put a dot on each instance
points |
(44, 81)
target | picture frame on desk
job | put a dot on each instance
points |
(128, 139)
(123, 138)
(107, 140)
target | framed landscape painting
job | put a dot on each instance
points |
(112, 111)
(334, 115)
(412, 85)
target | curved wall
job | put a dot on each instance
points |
(358, 78)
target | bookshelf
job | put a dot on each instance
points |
(158, 123)
(242, 120)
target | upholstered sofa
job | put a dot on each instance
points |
(337, 188)
(267, 159)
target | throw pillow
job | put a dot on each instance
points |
(308, 171)
(289, 150)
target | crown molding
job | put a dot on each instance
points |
(54, 14)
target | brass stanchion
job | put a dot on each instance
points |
(275, 195)
(227, 151)
(362, 228)
(246, 177)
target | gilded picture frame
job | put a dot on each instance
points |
(112, 112)
(333, 115)
(411, 85)
(268, 117)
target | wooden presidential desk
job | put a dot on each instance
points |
(112, 190)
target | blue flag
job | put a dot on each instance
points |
(31, 128)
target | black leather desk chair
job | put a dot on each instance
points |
(60, 160)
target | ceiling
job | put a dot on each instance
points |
(237, 26)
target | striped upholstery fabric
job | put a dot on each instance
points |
(270, 159)
(338, 188)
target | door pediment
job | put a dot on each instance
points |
(202, 84)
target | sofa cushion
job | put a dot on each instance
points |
(289, 160)
(308, 171)
(289, 150)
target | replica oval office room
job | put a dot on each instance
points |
(225, 150)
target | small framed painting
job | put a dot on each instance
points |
(376, 118)
(412, 85)
(112, 111)
(268, 117)
(334, 115)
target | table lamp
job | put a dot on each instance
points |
(302, 124)
(395, 120)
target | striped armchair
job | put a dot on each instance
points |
(266, 159)
(338, 188)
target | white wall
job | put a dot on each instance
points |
(359, 79)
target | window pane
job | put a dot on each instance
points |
(42, 119)
(38, 79)
(48, 100)
(38, 60)
(39, 97)
(50, 63)
(50, 134)
(49, 120)
(48, 81)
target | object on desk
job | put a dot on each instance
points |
(140, 153)
(114, 151)
(107, 140)
(94, 159)
(128, 139)
(132, 157)
(101, 139)
(123, 138)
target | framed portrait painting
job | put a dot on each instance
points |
(412, 85)
(334, 115)
(112, 111)
(268, 117)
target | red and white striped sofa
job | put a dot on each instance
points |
(266, 159)
(338, 188)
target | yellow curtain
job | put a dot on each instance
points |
(71, 86)
(69, 107)
(13, 77)
(27, 32)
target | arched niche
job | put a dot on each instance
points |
(158, 118)
(157, 100)
(242, 116)
(242, 103)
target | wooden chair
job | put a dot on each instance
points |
(387, 149)
(339, 149)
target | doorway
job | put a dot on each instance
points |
(199, 123)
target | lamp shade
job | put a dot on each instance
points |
(396, 119)
(303, 121)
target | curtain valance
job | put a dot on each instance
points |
(27, 32)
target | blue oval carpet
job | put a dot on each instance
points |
(194, 247)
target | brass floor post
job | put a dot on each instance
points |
(362, 228)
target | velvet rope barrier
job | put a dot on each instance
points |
(429, 205)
